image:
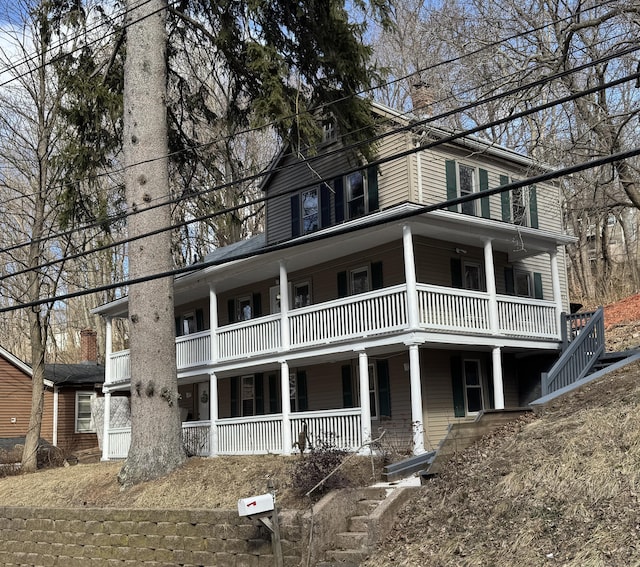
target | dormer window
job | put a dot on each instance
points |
(329, 130)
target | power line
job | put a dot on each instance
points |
(549, 176)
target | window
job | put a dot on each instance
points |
(523, 284)
(329, 129)
(301, 294)
(355, 193)
(467, 184)
(359, 280)
(519, 207)
(310, 211)
(244, 308)
(473, 387)
(473, 276)
(84, 420)
(247, 396)
(190, 322)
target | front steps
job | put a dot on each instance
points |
(369, 519)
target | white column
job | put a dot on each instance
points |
(491, 287)
(557, 293)
(498, 386)
(106, 426)
(213, 414)
(286, 408)
(417, 419)
(410, 278)
(213, 322)
(108, 349)
(284, 307)
(55, 416)
(365, 403)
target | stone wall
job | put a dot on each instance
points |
(98, 537)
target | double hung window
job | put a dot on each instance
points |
(310, 211)
(355, 194)
(473, 386)
(84, 419)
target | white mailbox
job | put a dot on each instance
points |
(256, 505)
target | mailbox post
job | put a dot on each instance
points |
(263, 508)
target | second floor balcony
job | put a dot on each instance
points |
(385, 312)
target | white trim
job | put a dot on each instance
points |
(92, 396)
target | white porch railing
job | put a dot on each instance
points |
(193, 350)
(196, 438)
(527, 318)
(257, 336)
(441, 309)
(356, 316)
(449, 309)
(337, 428)
(259, 434)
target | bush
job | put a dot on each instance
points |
(313, 467)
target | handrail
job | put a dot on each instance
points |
(579, 357)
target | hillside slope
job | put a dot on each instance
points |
(558, 488)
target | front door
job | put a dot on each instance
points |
(203, 401)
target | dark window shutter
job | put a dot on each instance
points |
(295, 215)
(456, 272)
(533, 206)
(347, 387)
(301, 386)
(490, 388)
(457, 387)
(338, 187)
(231, 310)
(384, 389)
(537, 285)
(199, 320)
(235, 405)
(256, 299)
(484, 201)
(178, 320)
(343, 289)
(258, 381)
(505, 200)
(376, 275)
(274, 398)
(325, 205)
(509, 281)
(452, 184)
(372, 189)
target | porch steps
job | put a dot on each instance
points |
(373, 516)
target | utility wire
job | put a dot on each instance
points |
(344, 149)
(347, 229)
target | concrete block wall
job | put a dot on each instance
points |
(98, 537)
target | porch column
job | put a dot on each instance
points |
(498, 386)
(213, 414)
(284, 307)
(557, 292)
(410, 278)
(365, 403)
(286, 407)
(417, 419)
(213, 322)
(490, 276)
(106, 426)
(108, 349)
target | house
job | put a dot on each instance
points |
(357, 311)
(69, 390)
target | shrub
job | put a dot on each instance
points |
(313, 467)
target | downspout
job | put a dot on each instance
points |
(55, 416)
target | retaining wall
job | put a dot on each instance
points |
(97, 537)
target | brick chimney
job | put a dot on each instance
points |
(89, 346)
(421, 98)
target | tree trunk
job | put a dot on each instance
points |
(156, 445)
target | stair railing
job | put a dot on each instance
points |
(585, 347)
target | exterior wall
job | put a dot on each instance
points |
(68, 439)
(434, 180)
(15, 402)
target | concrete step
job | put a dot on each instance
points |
(359, 524)
(351, 540)
(347, 557)
(365, 507)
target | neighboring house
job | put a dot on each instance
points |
(69, 389)
(357, 312)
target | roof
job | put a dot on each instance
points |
(74, 374)
(237, 249)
